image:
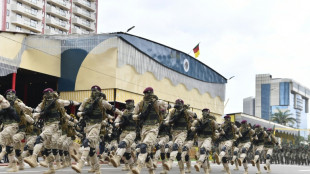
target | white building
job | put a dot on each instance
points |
(49, 16)
(249, 106)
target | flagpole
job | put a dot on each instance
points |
(192, 49)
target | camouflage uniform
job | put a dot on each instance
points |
(205, 129)
(228, 130)
(51, 110)
(245, 144)
(93, 110)
(258, 143)
(180, 120)
(150, 118)
(127, 137)
(269, 142)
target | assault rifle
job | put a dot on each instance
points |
(144, 114)
(46, 111)
(176, 117)
(88, 111)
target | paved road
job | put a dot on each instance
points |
(276, 169)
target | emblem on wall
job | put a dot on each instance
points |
(186, 65)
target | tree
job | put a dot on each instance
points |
(283, 117)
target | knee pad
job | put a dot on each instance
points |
(39, 140)
(167, 146)
(66, 153)
(138, 146)
(243, 150)
(9, 149)
(0, 148)
(257, 152)
(162, 156)
(18, 152)
(122, 144)
(30, 152)
(157, 147)
(47, 152)
(168, 155)
(186, 157)
(112, 148)
(202, 150)
(235, 153)
(244, 160)
(143, 148)
(25, 148)
(178, 157)
(92, 152)
(61, 152)
(185, 148)
(175, 147)
(127, 155)
(268, 156)
(86, 142)
(148, 158)
(224, 148)
(224, 159)
(55, 151)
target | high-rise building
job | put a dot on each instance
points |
(249, 106)
(49, 16)
(273, 94)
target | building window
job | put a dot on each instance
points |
(19, 16)
(33, 23)
(18, 28)
(8, 1)
(284, 93)
(20, 4)
(7, 25)
(48, 27)
(34, 11)
(48, 16)
(7, 12)
(265, 101)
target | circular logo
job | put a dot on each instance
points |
(186, 65)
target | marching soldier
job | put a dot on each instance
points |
(258, 142)
(93, 110)
(24, 112)
(148, 113)
(245, 143)
(228, 131)
(180, 120)
(269, 142)
(127, 137)
(205, 129)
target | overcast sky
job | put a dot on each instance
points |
(238, 38)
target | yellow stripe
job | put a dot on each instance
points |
(197, 53)
(79, 96)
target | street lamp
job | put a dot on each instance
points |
(130, 28)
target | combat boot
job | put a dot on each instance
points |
(78, 167)
(181, 167)
(58, 165)
(151, 171)
(14, 163)
(188, 167)
(168, 165)
(51, 169)
(92, 169)
(258, 168)
(126, 167)
(137, 169)
(198, 165)
(44, 163)
(237, 167)
(21, 163)
(14, 167)
(226, 168)
(218, 158)
(116, 160)
(206, 170)
(32, 161)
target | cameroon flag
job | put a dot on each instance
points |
(196, 51)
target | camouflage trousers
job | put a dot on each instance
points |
(179, 137)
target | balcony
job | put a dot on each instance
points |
(57, 24)
(84, 14)
(33, 3)
(85, 4)
(27, 12)
(26, 24)
(60, 3)
(78, 31)
(84, 24)
(56, 12)
(50, 31)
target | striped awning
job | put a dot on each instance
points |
(79, 96)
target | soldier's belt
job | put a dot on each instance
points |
(150, 122)
(130, 129)
(180, 128)
(204, 136)
(50, 120)
(93, 121)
